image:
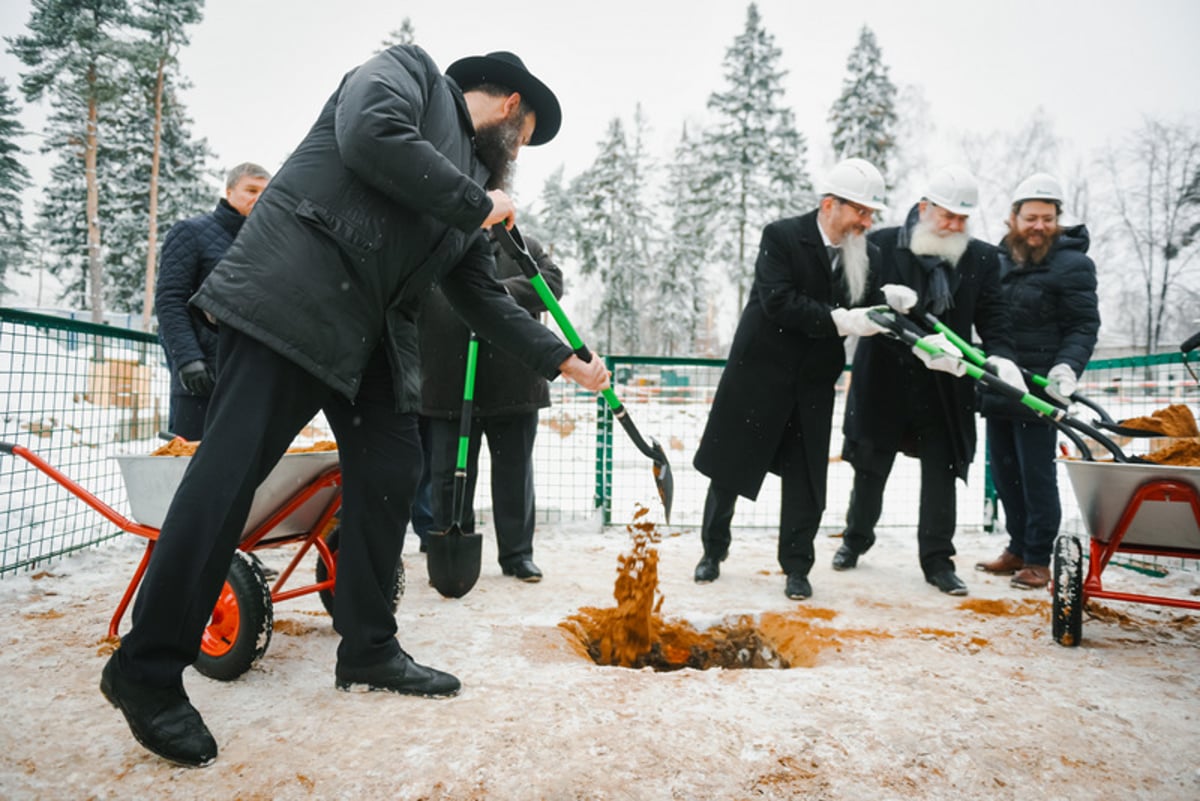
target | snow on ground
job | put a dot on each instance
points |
(911, 693)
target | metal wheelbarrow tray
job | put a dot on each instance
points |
(1129, 507)
(298, 502)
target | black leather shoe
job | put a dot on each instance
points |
(845, 558)
(948, 582)
(524, 569)
(162, 720)
(708, 570)
(400, 674)
(798, 587)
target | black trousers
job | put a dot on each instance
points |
(1027, 482)
(800, 509)
(510, 444)
(936, 519)
(260, 402)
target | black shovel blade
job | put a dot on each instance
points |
(453, 559)
(663, 479)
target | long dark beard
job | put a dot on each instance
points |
(495, 144)
(1023, 254)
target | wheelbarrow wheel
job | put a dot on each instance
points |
(1067, 595)
(239, 630)
(398, 580)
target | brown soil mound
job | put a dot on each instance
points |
(1180, 453)
(1175, 420)
(181, 447)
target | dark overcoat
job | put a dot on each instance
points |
(503, 386)
(383, 198)
(1054, 312)
(786, 353)
(885, 367)
(190, 251)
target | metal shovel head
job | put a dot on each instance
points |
(453, 559)
(663, 479)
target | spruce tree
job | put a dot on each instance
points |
(679, 281)
(613, 238)
(14, 179)
(74, 53)
(757, 156)
(864, 115)
(404, 35)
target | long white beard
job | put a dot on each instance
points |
(855, 266)
(926, 241)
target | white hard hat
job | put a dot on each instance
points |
(955, 189)
(856, 180)
(1039, 186)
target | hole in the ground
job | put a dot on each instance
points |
(634, 634)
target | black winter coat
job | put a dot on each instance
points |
(383, 198)
(786, 352)
(190, 251)
(503, 386)
(1054, 313)
(884, 367)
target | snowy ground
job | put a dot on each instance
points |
(910, 693)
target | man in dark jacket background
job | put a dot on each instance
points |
(317, 302)
(1050, 285)
(190, 250)
(895, 404)
(774, 404)
(507, 398)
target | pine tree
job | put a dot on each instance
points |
(613, 239)
(74, 53)
(679, 283)
(757, 157)
(14, 179)
(404, 35)
(557, 225)
(164, 23)
(864, 115)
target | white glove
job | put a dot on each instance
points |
(948, 361)
(854, 322)
(1008, 372)
(900, 297)
(1062, 383)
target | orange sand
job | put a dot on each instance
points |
(1175, 420)
(181, 447)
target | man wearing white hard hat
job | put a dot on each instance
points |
(1050, 285)
(897, 405)
(814, 277)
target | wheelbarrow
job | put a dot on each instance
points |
(297, 503)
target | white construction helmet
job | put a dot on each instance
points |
(855, 180)
(955, 189)
(1039, 186)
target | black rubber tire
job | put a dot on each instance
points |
(398, 581)
(229, 650)
(1067, 604)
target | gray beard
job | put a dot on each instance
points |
(925, 241)
(855, 266)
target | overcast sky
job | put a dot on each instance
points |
(261, 69)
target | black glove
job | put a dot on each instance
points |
(197, 377)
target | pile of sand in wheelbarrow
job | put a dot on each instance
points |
(181, 447)
(1175, 421)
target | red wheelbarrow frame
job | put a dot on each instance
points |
(1163, 490)
(225, 612)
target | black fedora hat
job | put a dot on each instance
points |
(507, 69)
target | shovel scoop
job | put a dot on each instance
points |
(453, 557)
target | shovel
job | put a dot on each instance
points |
(907, 331)
(978, 357)
(453, 557)
(512, 243)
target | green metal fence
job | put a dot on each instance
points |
(77, 394)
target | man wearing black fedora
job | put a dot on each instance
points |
(316, 305)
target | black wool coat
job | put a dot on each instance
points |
(1054, 313)
(503, 386)
(883, 367)
(786, 352)
(383, 198)
(190, 251)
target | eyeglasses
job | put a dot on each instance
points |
(861, 211)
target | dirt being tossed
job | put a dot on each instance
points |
(1175, 420)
